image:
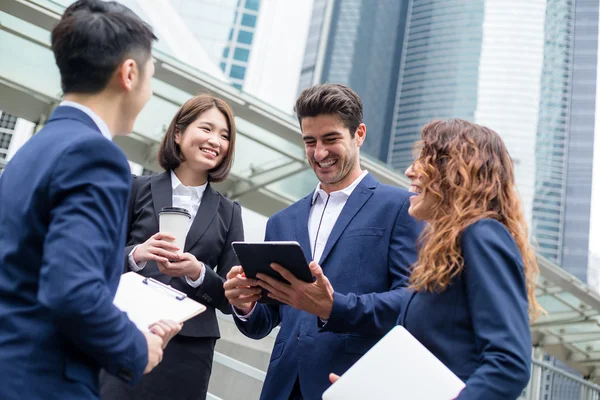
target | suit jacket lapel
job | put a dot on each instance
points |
(355, 202)
(204, 216)
(162, 192)
(302, 226)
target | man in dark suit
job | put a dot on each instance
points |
(62, 220)
(357, 229)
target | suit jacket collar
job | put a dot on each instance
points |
(302, 236)
(206, 213)
(162, 193)
(355, 202)
(90, 113)
(162, 196)
(360, 195)
(67, 112)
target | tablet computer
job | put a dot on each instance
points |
(257, 258)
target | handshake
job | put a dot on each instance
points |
(157, 339)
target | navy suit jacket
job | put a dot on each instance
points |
(62, 234)
(366, 259)
(479, 326)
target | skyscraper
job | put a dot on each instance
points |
(565, 136)
(439, 73)
(257, 44)
(356, 43)
(236, 52)
(526, 70)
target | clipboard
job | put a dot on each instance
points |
(146, 300)
(398, 366)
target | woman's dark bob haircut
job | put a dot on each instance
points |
(169, 154)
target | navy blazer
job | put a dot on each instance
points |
(62, 235)
(366, 259)
(479, 326)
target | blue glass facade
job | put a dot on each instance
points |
(236, 54)
(439, 71)
(553, 127)
(565, 138)
(581, 139)
(362, 51)
(315, 41)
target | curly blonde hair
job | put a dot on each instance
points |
(468, 170)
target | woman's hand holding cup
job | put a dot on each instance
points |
(186, 265)
(158, 248)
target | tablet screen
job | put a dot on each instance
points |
(257, 258)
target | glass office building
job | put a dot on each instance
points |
(439, 73)
(526, 70)
(7, 128)
(565, 136)
(236, 52)
(355, 43)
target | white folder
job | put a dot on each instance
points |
(146, 300)
(397, 367)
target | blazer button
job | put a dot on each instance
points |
(298, 336)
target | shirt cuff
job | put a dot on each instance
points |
(135, 267)
(200, 279)
(243, 318)
(323, 321)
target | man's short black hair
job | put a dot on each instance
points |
(92, 38)
(331, 99)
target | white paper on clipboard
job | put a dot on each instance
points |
(146, 301)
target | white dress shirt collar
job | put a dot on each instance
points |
(179, 188)
(88, 111)
(347, 191)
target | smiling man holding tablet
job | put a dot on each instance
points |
(357, 229)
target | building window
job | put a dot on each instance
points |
(7, 127)
(241, 54)
(5, 138)
(226, 52)
(237, 86)
(245, 37)
(237, 72)
(223, 66)
(252, 5)
(8, 121)
(249, 20)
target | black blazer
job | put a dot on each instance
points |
(217, 224)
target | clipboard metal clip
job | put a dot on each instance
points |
(178, 295)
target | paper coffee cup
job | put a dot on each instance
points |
(176, 221)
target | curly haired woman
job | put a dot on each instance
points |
(472, 288)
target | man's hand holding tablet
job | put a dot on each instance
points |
(299, 285)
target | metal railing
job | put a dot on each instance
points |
(551, 383)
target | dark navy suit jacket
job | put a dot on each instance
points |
(479, 326)
(366, 259)
(62, 233)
